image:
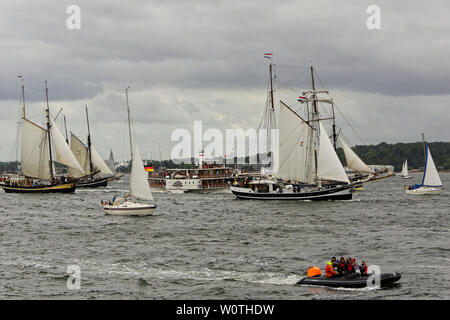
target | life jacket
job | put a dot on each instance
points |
(349, 267)
(363, 269)
(329, 271)
(314, 272)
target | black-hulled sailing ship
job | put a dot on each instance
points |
(37, 173)
(307, 166)
(90, 160)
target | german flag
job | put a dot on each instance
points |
(149, 168)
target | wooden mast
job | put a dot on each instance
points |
(424, 148)
(47, 112)
(23, 96)
(89, 142)
(65, 129)
(334, 127)
(129, 124)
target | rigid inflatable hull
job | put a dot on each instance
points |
(342, 282)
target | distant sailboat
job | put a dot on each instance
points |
(431, 182)
(404, 173)
(139, 186)
(90, 160)
(37, 167)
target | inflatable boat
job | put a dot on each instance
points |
(386, 279)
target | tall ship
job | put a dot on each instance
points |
(40, 147)
(307, 166)
(90, 160)
(206, 178)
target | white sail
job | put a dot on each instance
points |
(35, 155)
(81, 153)
(405, 168)
(63, 154)
(328, 165)
(296, 150)
(353, 161)
(431, 175)
(98, 162)
(139, 186)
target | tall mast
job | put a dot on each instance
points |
(424, 149)
(314, 114)
(271, 85)
(129, 124)
(89, 141)
(65, 128)
(334, 127)
(23, 96)
(47, 113)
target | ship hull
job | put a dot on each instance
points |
(93, 184)
(343, 193)
(60, 188)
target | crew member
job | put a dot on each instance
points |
(329, 270)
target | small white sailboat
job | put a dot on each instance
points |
(431, 182)
(139, 187)
(404, 173)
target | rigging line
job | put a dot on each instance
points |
(293, 79)
(352, 125)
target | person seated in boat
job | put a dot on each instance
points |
(342, 266)
(314, 272)
(352, 269)
(363, 268)
(329, 270)
(335, 263)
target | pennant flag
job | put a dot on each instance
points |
(301, 99)
(149, 168)
(268, 55)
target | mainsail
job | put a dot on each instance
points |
(98, 162)
(353, 161)
(328, 165)
(63, 153)
(430, 175)
(296, 150)
(81, 154)
(35, 156)
(139, 186)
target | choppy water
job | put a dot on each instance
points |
(217, 247)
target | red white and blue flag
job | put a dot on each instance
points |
(268, 55)
(301, 99)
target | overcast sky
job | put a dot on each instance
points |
(203, 60)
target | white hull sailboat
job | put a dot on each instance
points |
(131, 204)
(404, 173)
(431, 182)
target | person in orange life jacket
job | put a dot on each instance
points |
(342, 266)
(329, 270)
(363, 268)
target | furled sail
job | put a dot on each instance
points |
(63, 153)
(98, 162)
(139, 186)
(81, 153)
(353, 161)
(296, 150)
(328, 165)
(35, 155)
(431, 175)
